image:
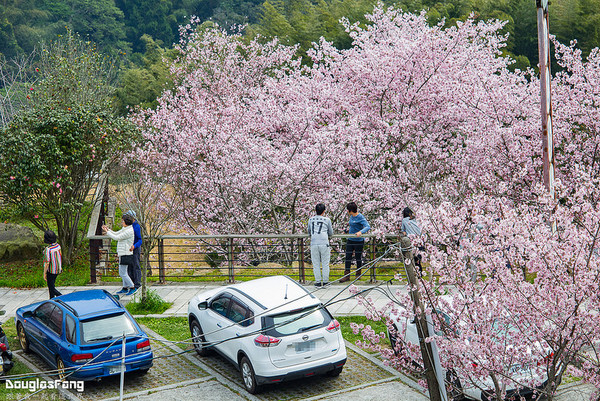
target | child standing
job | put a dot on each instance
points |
(52, 262)
(320, 230)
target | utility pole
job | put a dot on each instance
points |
(546, 104)
(436, 392)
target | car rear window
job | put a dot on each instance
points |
(107, 328)
(296, 321)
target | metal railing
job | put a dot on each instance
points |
(236, 257)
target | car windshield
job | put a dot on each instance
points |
(296, 322)
(107, 328)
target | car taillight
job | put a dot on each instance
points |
(82, 358)
(3, 347)
(266, 341)
(143, 346)
(333, 326)
(546, 359)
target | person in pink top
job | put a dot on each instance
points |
(52, 262)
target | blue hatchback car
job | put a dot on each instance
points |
(81, 335)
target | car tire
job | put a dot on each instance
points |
(453, 386)
(23, 337)
(198, 338)
(248, 376)
(394, 341)
(335, 372)
(60, 369)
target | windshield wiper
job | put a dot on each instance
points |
(314, 326)
(101, 338)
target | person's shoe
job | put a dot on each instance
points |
(345, 278)
(318, 284)
(131, 291)
(123, 291)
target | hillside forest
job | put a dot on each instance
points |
(140, 34)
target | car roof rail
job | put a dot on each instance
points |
(67, 306)
(111, 296)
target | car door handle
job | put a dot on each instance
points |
(237, 334)
(219, 325)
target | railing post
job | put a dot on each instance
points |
(161, 261)
(94, 250)
(373, 255)
(301, 277)
(230, 269)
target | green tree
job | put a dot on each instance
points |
(100, 21)
(141, 86)
(52, 151)
(304, 21)
(8, 43)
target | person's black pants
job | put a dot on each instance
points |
(355, 248)
(51, 279)
(134, 271)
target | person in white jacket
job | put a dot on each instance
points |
(124, 238)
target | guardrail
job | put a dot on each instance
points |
(237, 257)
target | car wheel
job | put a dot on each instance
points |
(198, 338)
(394, 341)
(60, 368)
(335, 372)
(22, 337)
(248, 376)
(453, 386)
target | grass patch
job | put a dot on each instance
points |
(30, 273)
(177, 329)
(171, 328)
(20, 369)
(152, 304)
(349, 336)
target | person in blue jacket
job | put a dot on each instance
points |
(358, 226)
(134, 271)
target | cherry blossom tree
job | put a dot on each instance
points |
(412, 114)
(522, 294)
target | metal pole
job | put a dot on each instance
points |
(230, 255)
(373, 255)
(122, 368)
(301, 277)
(161, 261)
(546, 104)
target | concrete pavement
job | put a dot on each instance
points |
(342, 304)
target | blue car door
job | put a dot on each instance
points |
(53, 336)
(36, 325)
(46, 330)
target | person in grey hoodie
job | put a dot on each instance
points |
(320, 230)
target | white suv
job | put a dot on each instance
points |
(271, 328)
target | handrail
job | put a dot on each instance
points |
(254, 236)
(232, 256)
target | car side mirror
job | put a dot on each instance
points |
(28, 314)
(203, 305)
